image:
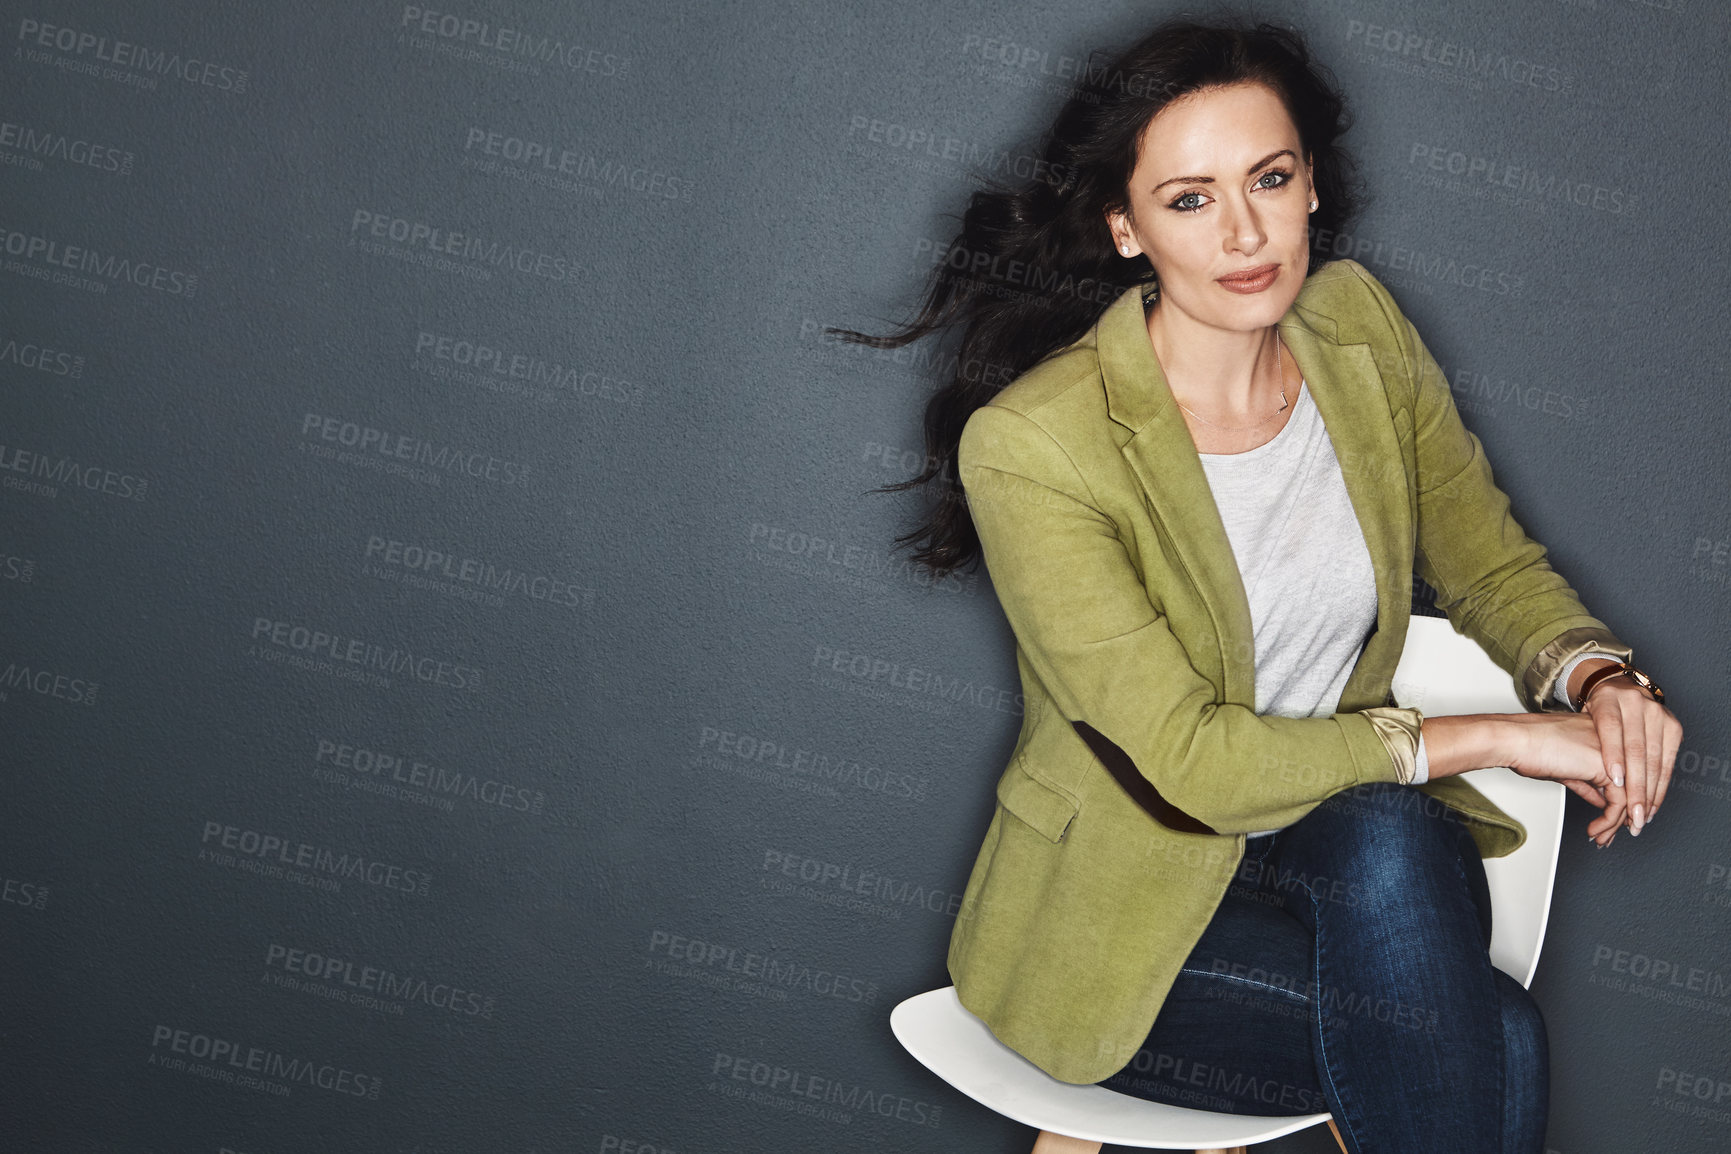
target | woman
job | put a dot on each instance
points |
(1225, 869)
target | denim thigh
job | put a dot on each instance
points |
(1234, 1034)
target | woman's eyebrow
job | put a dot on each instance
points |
(1210, 180)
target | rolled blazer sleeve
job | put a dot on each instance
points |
(1110, 661)
(1494, 582)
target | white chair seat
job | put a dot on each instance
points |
(959, 1048)
(1441, 673)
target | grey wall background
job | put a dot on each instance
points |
(423, 571)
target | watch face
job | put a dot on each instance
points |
(1643, 681)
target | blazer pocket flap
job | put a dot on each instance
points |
(1036, 804)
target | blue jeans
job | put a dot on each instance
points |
(1346, 971)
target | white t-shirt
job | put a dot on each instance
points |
(1306, 569)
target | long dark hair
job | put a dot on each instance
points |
(1033, 266)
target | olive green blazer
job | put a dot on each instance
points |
(1141, 762)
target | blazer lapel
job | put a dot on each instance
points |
(1347, 391)
(1164, 459)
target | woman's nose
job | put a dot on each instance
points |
(1244, 231)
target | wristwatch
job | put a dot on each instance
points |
(1616, 670)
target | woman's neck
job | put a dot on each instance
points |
(1229, 376)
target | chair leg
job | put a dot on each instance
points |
(1335, 1130)
(1233, 1150)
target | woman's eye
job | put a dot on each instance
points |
(1182, 204)
(1280, 179)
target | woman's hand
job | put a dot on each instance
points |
(1640, 739)
(1566, 747)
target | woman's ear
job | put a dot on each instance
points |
(1123, 239)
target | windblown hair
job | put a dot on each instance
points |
(1033, 266)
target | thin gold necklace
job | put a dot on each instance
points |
(1263, 421)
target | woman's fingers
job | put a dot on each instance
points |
(1608, 725)
(1671, 740)
(1585, 791)
(1634, 764)
(1603, 828)
(1653, 719)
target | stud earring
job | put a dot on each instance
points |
(1313, 206)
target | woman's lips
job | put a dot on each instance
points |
(1251, 280)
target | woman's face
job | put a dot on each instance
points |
(1221, 188)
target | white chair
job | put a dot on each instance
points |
(1441, 672)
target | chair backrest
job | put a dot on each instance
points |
(1443, 673)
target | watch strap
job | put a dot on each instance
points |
(1620, 669)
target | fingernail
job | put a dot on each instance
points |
(1617, 776)
(1640, 820)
